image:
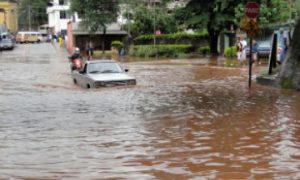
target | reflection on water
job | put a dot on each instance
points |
(181, 121)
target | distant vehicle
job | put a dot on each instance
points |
(100, 73)
(29, 37)
(44, 30)
(7, 43)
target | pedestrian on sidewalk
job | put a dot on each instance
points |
(122, 54)
(89, 47)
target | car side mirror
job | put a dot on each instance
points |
(126, 70)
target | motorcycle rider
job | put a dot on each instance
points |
(74, 56)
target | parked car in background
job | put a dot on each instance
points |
(100, 73)
(7, 44)
(29, 37)
(264, 49)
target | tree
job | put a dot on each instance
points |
(144, 17)
(214, 15)
(217, 15)
(289, 76)
(96, 14)
(32, 13)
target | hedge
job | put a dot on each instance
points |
(116, 44)
(166, 50)
(203, 50)
(171, 38)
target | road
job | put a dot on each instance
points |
(185, 119)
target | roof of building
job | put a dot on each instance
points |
(111, 29)
(12, 1)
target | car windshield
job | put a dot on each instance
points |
(104, 67)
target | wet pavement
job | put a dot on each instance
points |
(183, 120)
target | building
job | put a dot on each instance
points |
(9, 15)
(58, 16)
(78, 36)
(61, 22)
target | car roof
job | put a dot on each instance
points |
(101, 61)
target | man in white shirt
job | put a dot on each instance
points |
(244, 45)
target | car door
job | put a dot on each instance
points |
(81, 76)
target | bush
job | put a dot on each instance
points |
(171, 38)
(167, 50)
(230, 52)
(204, 50)
(117, 44)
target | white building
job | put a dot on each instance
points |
(58, 16)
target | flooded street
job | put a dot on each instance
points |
(183, 120)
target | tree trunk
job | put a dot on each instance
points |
(289, 76)
(213, 41)
(103, 40)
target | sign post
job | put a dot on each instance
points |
(250, 27)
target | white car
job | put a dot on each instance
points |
(7, 43)
(99, 73)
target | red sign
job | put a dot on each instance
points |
(252, 9)
(157, 32)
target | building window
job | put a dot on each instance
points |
(61, 2)
(63, 14)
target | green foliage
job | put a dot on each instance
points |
(36, 9)
(96, 14)
(272, 11)
(117, 44)
(204, 50)
(171, 38)
(230, 52)
(215, 15)
(144, 19)
(161, 50)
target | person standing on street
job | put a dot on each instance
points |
(89, 47)
(255, 52)
(282, 43)
(241, 50)
(122, 54)
(0, 43)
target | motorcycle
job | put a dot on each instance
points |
(76, 64)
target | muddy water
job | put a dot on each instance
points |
(183, 120)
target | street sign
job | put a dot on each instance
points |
(252, 9)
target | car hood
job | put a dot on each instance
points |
(110, 77)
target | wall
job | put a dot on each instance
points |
(10, 17)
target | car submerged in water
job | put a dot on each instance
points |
(101, 73)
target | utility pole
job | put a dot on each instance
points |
(154, 23)
(128, 23)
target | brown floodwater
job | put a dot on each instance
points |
(185, 119)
